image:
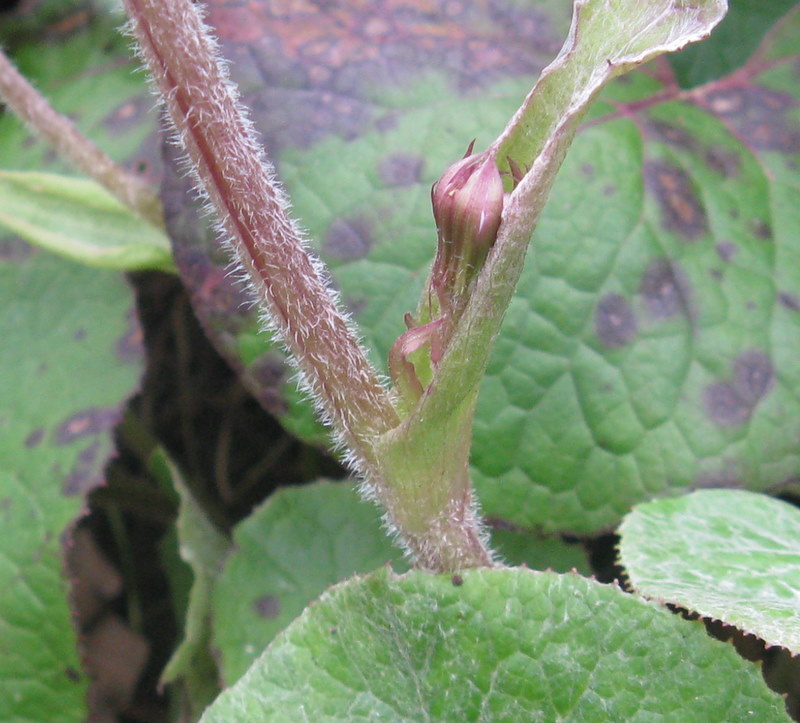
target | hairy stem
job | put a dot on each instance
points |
(240, 183)
(58, 130)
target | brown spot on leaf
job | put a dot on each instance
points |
(348, 239)
(730, 403)
(665, 289)
(457, 580)
(609, 189)
(79, 334)
(267, 606)
(35, 437)
(87, 422)
(614, 321)
(726, 250)
(789, 300)
(72, 675)
(761, 116)
(681, 210)
(587, 169)
(85, 474)
(672, 135)
(400, 169)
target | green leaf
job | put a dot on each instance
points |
(304, 539)
(287, 552)
(514, 547)
(77, 218)
(651, 345)
(70, 357)
(203, 547)
(89, 75)
(726, 554)
(731, 43)
(494, 645)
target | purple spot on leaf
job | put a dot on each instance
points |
(762, 230)
(763, 117)
(265, 377)
(730, 403)
(726, 250)
(14, 249)
(400, 169)
(267, 606)
(752, 375)
(723, 161)
(348, 239)
(725, 478)
(34, 438)
(85, 474)
(725, 406)
(665, 289)
(87, 422)
(614, 321)
(672, 135)
(789, 301)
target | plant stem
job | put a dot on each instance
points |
(58, 130)
(241, 184)
(430, 509)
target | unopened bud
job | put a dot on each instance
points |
(468, 202)
(468, 206)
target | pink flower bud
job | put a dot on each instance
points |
(468, 205)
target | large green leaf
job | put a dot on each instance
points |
(727, 554)
(69, 359)
(652, 341)
(304, 539)
(494, 645)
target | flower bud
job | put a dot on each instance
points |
(468, 206)
(468, 203)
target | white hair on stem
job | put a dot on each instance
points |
(290, 285)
